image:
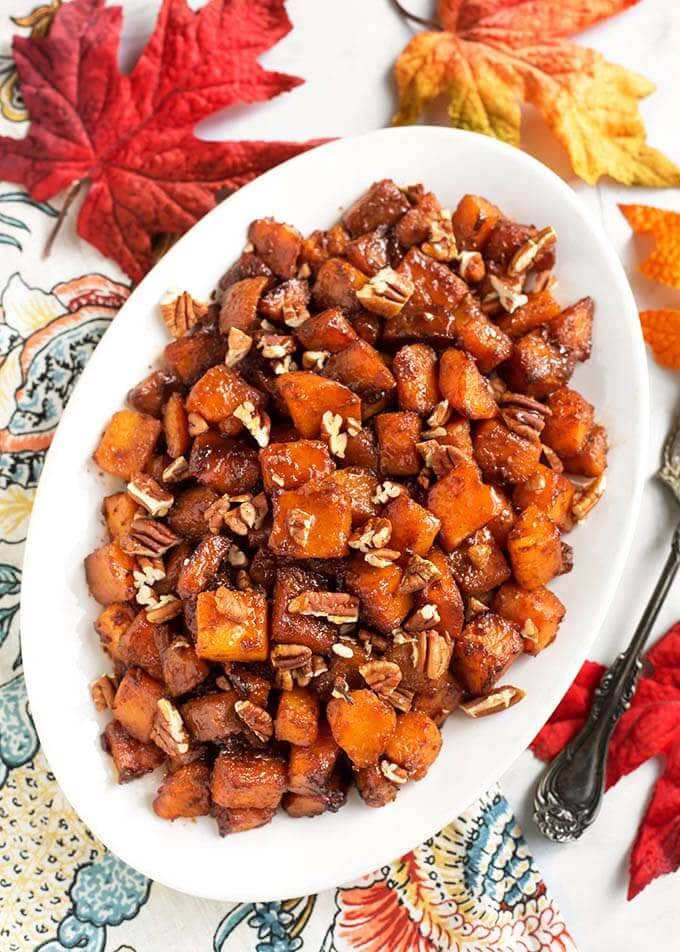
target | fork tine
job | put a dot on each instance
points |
(670, 467)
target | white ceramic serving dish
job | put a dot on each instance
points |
(61, 652)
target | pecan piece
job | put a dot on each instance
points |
(587, 497)
(337, 607)
(373, 534)
(498, 699)
(386, 292)
(331, 425)
(471, 267)
(257, 422)
(509, 296)
(342, 650)
(315, 359)
(386, 491)
(418, 574)
(181, 311)
(284, 365)
(255, 718)
(441, 243)
(439, 458)
(150, 494)
(299, 525)
(434, 654)
(102, 692)
(274, 346)
(197, 424)
(148, 537)
(176, 471)
(401, 699)
(525, 255)
(381, 558)
(238, 345)
(393, 772)
(168, 731)
(288, 657)
(440, 415)
(168, 607)
(381, 676)
(422, 618)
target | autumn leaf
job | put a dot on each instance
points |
(490, 56)
(130, 137)
(649, 728)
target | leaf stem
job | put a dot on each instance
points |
(71, 195)
(424, 21)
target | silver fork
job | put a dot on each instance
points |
(570, 791)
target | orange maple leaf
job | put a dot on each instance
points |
(490, 56)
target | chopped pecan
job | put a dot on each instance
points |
(197, 424)
(299, 525)
(168, 731)
(148, 537)
(386, 292)
(393, 772)
(284, 365)
(150, 494)
(238, 345)
(471, 267)
(341, 690)
(440, 415)
(381, 676)
(529, 631)
(283, 680)
(337, 607)
(274, 346)
(150, 569)
(479, 553)
(176, 471)
(102, 692)
(236, 557)
(509, 296)
(438, 457)
(181, 311)
(239, 514)
(243, 581)
(318, 666)
(401, 699)
(169, 607)
(434, 654)
(315, 359)
(371, 640)
(441, 243)
(255, 718)
(544, 281)
(386, 491)
(342, 650)
(418, 574)
(587, 497)
(552, 459)
(498, 699)
(422, 618)
(373, 534)
(381, 558)
(287, 657)
(256, 421)
(474, 606)
(331, 425)
(229, 604)
(525, 256)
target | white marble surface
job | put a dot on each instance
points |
(345, 49)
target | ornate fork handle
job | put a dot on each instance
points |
(570, 791)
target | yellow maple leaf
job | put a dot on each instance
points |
(490, 56)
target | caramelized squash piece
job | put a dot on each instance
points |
(138, 645)
(534, 548)
(248, 780)
(232, 626)
(336, 285)
(277, 244)
(132, 758)
(111, 625)
(504, 516)
(330, 330)
(473, 221)
(591, 459)
(108, 571)
(362, 449)
(443, 593)
(551, 492)
(374, 787)
(456, 433)
(414, 529)
(313, 522)
(298, 805)
(398, 434)
(480, 337)
(415, 370)
(119, 511)
(467, 391)
(150, 394)
(190, 356)
(369, 252)
(415, 744)
(383, 204)
(136, 702)
(479, 564)
(360, 485)
(186, 513)
(310, 768)
(537, 613)
(504, 456)
(292, 464)
(571, 420)
(461, 502)
(185, 792)
(572, 330)
(484, 651)
(241, 819)
(308, 396)
(384, 607)
(224, 464)
(287, 628)
(212, 718)
(202, 566)
(297, 717)
(362, 727)
(176, 426)
(127, 443)
(362, 369)
(219, 392)
(239, 304)
(182, 669)
(441, 701)
(536, 366)
(540, 309)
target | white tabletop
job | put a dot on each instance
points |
(345, 50)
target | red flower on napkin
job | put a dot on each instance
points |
(649, 728)
(131, 137)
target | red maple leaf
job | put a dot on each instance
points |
(649, 728)
(131, 136)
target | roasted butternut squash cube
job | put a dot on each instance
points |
(249, 684)
(383, 606)
(415, 743)
(383, 204)
(330, 330)
(176, 426)
(397, 435)
(313, 522)
(138, 645)
(362, 449)
(540, 309)
(277, 244)
(591, 459)
(322, 245)
(538, 614)
(504, 516)
(136, 702)
(149, 395)
(369, 252)
(241, 819)
(456, 433)
(571, 420)
(362, 727)
(461, 502)
(361, 369)
(441, 701)
(374, 787)
(185, 792)
(202, 566)
(480, 337)
(360, 485)
(111, 625)
(504, 456)
(414, 529)
(473, 221)
(211, 718)
(219, 391)
(119, 511)
(108, 571)
(505, 241)
(537, 366)
(186, 513)
(190, 356)
(484, 651)
(413, 228)
(467, 391)
(290, 465)
(132, 758)
(297, 717)
(232, 625)
(248, 780)
(336, 285)
(551, 492)
(239, 304)
(247, 265)
(310, 768)
(223, 463)
(437, 291)
(299, 805)
(443, 593)
(127, 443)
(346, 668)
(572, 330)
(415, 370)
(534, 548)
(287, 628)
(308, 396)
(182, 669)
(479, 564)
